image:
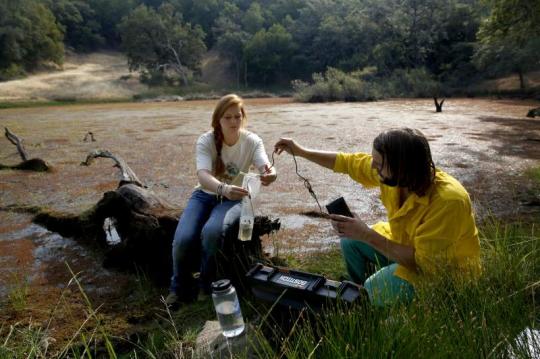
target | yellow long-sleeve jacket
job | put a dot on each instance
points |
(440, 225)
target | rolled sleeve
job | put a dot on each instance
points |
(203, 154)
(260, 158)
(358, 167)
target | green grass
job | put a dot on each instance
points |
(534, 174)
(200, 91)
(192, 92)
(480, 320)
(18, 294)
(59, 102)
(329, 264)
(476, 320)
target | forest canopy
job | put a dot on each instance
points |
(272, 42)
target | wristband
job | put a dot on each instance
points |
(219, 189)
(225, 190)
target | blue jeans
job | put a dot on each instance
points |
(199, 234)
(383, 287)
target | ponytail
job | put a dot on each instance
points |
(219, 166)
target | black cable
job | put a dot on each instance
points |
(306, 181)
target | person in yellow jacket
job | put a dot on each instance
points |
(431, 232)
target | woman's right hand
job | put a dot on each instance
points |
(288, 145)
(234, 193)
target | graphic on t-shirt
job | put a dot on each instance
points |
(232, 170)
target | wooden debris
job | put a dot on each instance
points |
(17, 142)
(128, 176)
(438, 105)
(91, 135)
(33, 164)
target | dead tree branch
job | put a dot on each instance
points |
(178, 66)
(438, 105)
(128, 176)
(17, 142)
(91, 134)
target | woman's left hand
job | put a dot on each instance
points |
(268, 176)
(353, 228)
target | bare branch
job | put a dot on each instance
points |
(179, 67)
(91, 137)
(17, 142)
(438, 106)
(127, 173)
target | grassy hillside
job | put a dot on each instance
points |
(95, 76)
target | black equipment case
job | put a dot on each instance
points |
(297, 290)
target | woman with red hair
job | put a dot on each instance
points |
(223, 155)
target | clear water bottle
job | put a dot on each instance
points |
(252, 183)
(247, 220)
(227, 308)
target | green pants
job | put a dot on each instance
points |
(383, 287)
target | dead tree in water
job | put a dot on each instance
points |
(89, 134)
(438, 105)
(145, 225)
(33, 164)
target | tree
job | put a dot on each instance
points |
(503, 56)
(510, 38)
(201, 12)
(268, 52)
(29, 37)
(157, 41)
(351, 37)
(78, 22)
(518, 20)
(108, 14)
(253, 19)
(230, 38)
(451, 58)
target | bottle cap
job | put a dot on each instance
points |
(221, 285)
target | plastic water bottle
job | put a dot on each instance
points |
(227, 308)
(247, 220)
(252, 183)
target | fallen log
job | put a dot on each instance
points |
(145, 225)
(33, 164)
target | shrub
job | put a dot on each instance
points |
(410, 83)
(335, 85)
(13, 71)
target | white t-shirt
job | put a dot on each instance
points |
(247, 151)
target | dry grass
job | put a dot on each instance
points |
(96, 76)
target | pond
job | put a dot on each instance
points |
(486, 144)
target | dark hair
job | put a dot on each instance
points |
(407, 153)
